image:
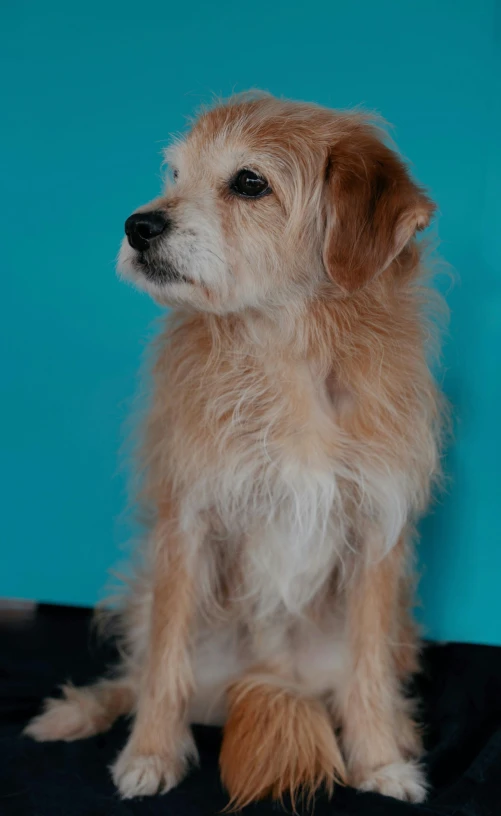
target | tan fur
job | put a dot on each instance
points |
(371, 705)
(160, 745)
(276, 742)
(291, 444)
(82, 712)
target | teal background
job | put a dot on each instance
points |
(90, 94)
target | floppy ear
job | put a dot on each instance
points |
(372, 209)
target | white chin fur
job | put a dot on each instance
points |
(125, 267)
(165, 294)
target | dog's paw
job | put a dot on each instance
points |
(144, 775)
(70, 718)
(137, 774)
(401, 780)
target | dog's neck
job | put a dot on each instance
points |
(266, 331)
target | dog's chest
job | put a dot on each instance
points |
(254, 427)
(267, 471)
(253, 442)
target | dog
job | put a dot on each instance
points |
(292, 442)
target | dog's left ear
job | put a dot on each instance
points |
(372, 209)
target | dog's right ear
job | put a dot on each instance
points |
(372, 208)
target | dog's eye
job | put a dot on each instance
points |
(249, 184)
(175, 174)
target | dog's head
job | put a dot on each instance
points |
(272, 200)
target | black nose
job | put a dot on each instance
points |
(142, 227)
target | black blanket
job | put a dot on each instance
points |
(460, 688)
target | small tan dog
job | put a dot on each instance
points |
(292, 440)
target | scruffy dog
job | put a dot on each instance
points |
(291, 443)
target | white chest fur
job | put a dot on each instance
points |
(255, 441)
(264, 467)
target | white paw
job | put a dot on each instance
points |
(402, 780)
(139, 775)
(143, 775)
(64, 719)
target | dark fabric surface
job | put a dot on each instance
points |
(460, 689)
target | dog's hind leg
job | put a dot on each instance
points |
(82, 712)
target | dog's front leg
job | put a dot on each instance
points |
(374, 713)
(161, 745)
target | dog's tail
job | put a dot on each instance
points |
(277, 742)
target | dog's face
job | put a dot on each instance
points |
(271, 201)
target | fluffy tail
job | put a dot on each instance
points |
(276, 742)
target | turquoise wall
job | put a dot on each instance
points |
(90, 92)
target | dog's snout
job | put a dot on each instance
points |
(141, 228)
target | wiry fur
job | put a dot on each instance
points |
(291, 443)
